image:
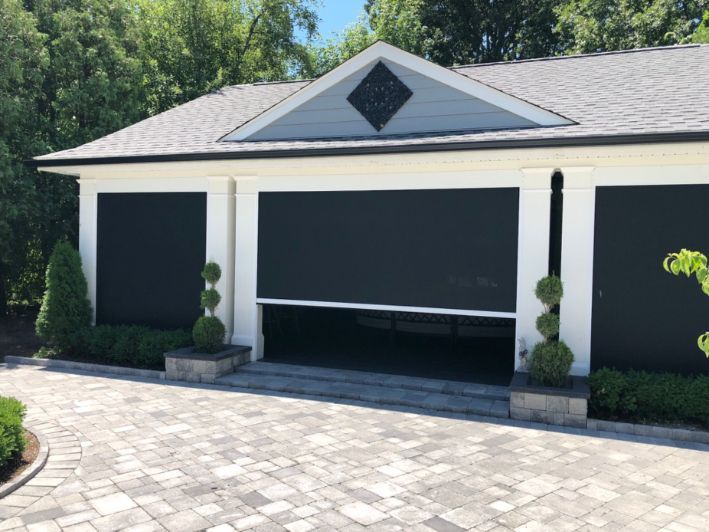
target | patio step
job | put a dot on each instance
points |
(468, 389)
(393, 390)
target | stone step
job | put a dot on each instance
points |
(378, 394)
(446, 387)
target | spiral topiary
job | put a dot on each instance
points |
(208, 331)
(551, 359)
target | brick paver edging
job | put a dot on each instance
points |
(63, 457)
(653, 431)
(33, 469)
(83, 366)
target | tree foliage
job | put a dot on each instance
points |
(191, 47)
(691, 263)
(702, 33)
(450, 32)
(587, 26)
(23, 63)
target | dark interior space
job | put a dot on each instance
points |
(555, 223)
(439, 346)
(644, 317)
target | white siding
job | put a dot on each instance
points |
(432, 107)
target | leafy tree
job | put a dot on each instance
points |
(191, 47)
(691, 263)
(23, 63)
(65, 308)
(94, 85)
(702, 33)
(451, 32)
(91, 85)
(587, 26)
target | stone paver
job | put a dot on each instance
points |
(146, 455)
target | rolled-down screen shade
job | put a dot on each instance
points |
(447, 249)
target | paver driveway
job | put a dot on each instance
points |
(161, 456)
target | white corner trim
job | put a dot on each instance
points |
(395, 308)
(382, 50)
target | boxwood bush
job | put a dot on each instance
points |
(127, 345)
(12, 435)
(649, 397)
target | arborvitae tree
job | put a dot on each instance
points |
(65, 306)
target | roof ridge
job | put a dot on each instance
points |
(510, 62)
(578, 56)
(263, 83)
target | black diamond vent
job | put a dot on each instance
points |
(379, 96)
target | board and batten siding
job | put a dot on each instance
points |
(433, 106)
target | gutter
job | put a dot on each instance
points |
(598, 140)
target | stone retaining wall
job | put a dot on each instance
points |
(184, 365)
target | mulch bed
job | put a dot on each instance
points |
(14, 467)
(17, 336)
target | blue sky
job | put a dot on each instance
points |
(336, 14)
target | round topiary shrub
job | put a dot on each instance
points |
(208, 332)
(548, 325)
(551, 359)
(551, 363)
(549, 291)
(65, 306)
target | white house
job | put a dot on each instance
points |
(413, 208)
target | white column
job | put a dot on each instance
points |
(533, 251)
(247, 314)
(577, 264)
(88, 215)
(220, 242)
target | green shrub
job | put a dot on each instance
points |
(208, 334)
(210, 298)
(548, 324)
(549, 291)
(65, 306)
(127, 345)
(12, 435)
(211, 273)
(551, 359)
(609, 393)
(649, 397)
(551, 362)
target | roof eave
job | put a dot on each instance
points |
(597, 140)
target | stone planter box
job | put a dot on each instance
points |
(554, 406)
(187, 365)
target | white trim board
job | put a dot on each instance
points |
(381, 50)
(395, 308)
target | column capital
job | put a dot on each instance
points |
(87, 187)
(220, 185)
(536, 178)
(245, 184)
(578, 177)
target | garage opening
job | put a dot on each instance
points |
(438, 346)
(415, 282)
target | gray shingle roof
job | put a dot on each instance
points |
(622, 94)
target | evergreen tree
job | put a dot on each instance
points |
(65, 308)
